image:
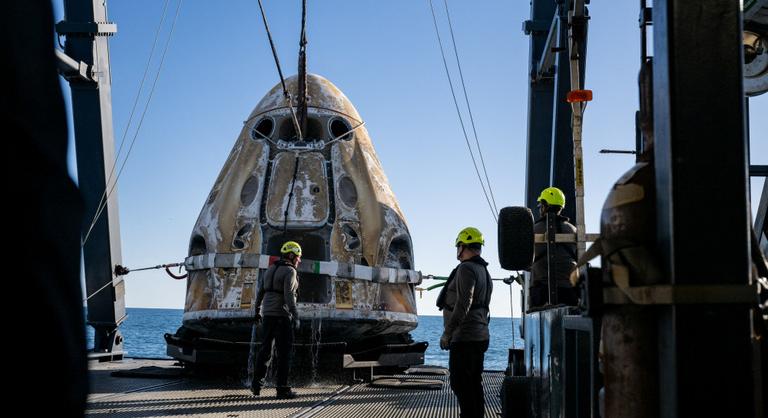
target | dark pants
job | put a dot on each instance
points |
(279, 330)
(466, 366)
(565, 296)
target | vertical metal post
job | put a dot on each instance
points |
(577, 38)
(703, 227)
(86, 28)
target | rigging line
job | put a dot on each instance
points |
(302, 76)
(123, 271)
(469, 108)
(290, 195)
(458, 112)
(138, 128)
(99, 290)
(338, 137)
(133, 110)
(286, 94)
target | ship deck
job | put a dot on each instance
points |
(117, 390)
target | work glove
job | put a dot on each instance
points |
(445, 342)
(296, 324)
(257, 318)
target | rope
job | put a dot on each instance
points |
(123, 271)
(290, 195)
(96, 292)
(105, 199)
(136, 99)
(469, 108)
(286, 94)
(458, 112)
(345, 134)
(302, 82)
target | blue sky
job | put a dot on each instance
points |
(384, 57)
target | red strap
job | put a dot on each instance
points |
(168, 270)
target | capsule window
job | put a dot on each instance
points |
(197, 246)
(287, 131)
(249, 191)
(313, 131)
(338, 127)
(264, 128)
(347, 191)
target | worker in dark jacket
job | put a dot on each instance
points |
(277, 290)
(465, 301)
(552, 200)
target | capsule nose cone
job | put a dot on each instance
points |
(321, 94)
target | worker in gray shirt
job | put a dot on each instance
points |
(276, 308)
(465, 301)
(564, 255)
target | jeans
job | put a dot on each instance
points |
(466, 366)
(279, 330)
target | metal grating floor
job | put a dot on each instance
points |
(183, 396)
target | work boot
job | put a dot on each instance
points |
(286, 393)
(256, 389)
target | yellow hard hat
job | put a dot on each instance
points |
(553, 196)
(291, 247)
(470, 235)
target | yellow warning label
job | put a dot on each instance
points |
(579, 173)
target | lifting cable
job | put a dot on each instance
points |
(286, 94)
(290, 195)
(110, 189)
(136, 99)
(122, 271)
(469, 108)
(458, 111)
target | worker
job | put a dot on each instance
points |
(280, 318)
(465, 301)
(552, 201)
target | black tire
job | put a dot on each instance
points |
(516, 238)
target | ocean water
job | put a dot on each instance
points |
(144, 328)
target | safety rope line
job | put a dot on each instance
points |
(105, 199)
(123, 271)
(458, 112)
(286, 94)
(469, 108)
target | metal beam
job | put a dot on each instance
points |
(547, 59)
(540, 101)
(549, 159)
(70, 68)
(561, 149)
(86, 29)
(704, 366)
